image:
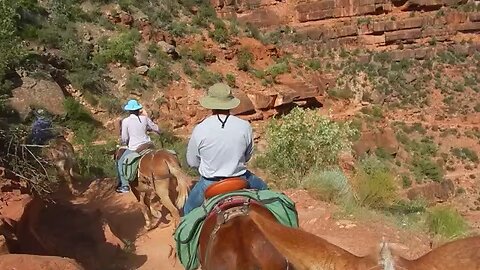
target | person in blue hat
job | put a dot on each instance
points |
(133, 134)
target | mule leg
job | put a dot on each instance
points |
(161, 188)
(155, 213)
(147, 200)
(61, 165)
(144, 208)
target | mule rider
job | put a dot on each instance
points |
(42, 128)
(133, 134)
(220, 146)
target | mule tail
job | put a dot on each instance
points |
(183, 183)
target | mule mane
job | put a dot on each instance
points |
(386, 258)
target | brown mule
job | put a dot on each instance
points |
(159, 172)
(220, 246)
(61, 153)
(309, 252)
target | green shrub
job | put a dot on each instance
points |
(160, 74)
(200, 55)
(90, 98)
(329, 185)
(375, 184)
(135, 82)
(179, 29)
(220, 33)
(423, 166)
(9, 42)
(314, 64)
(244, 59)
(119, 49)
(87, 80)
(406, 181)
(465, 153)
(230, 78)
(111, 104)
(277, 69)
(187, 68)
(301, 140)
(93, 161)
(206, 78)
(341, 92)
(403, 207)
(446, 222)
(80, 121)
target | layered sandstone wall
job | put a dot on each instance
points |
(373, 23)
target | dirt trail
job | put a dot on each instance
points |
(125, 219)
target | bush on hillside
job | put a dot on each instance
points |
(9, 42)
(375, 184)
(301, 140)
(244, 59)
(329, 185)
(446, 222)
(120, 49)
(94, 162)
(80, 121)
(425, 167)
(465, 153)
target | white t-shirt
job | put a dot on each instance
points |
(220, 152)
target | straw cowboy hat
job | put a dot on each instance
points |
(132, 105)
(219, 97)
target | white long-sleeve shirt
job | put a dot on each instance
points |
(220, 152)
(134, 130)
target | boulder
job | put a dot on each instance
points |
(433, 192)
(39, 93)
(371, 140)
(246, 105)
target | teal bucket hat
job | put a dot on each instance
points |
(132, 105)
(219, 97)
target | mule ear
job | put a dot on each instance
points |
(303, 250)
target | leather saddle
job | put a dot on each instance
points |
(225, 186)
(140, 149)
